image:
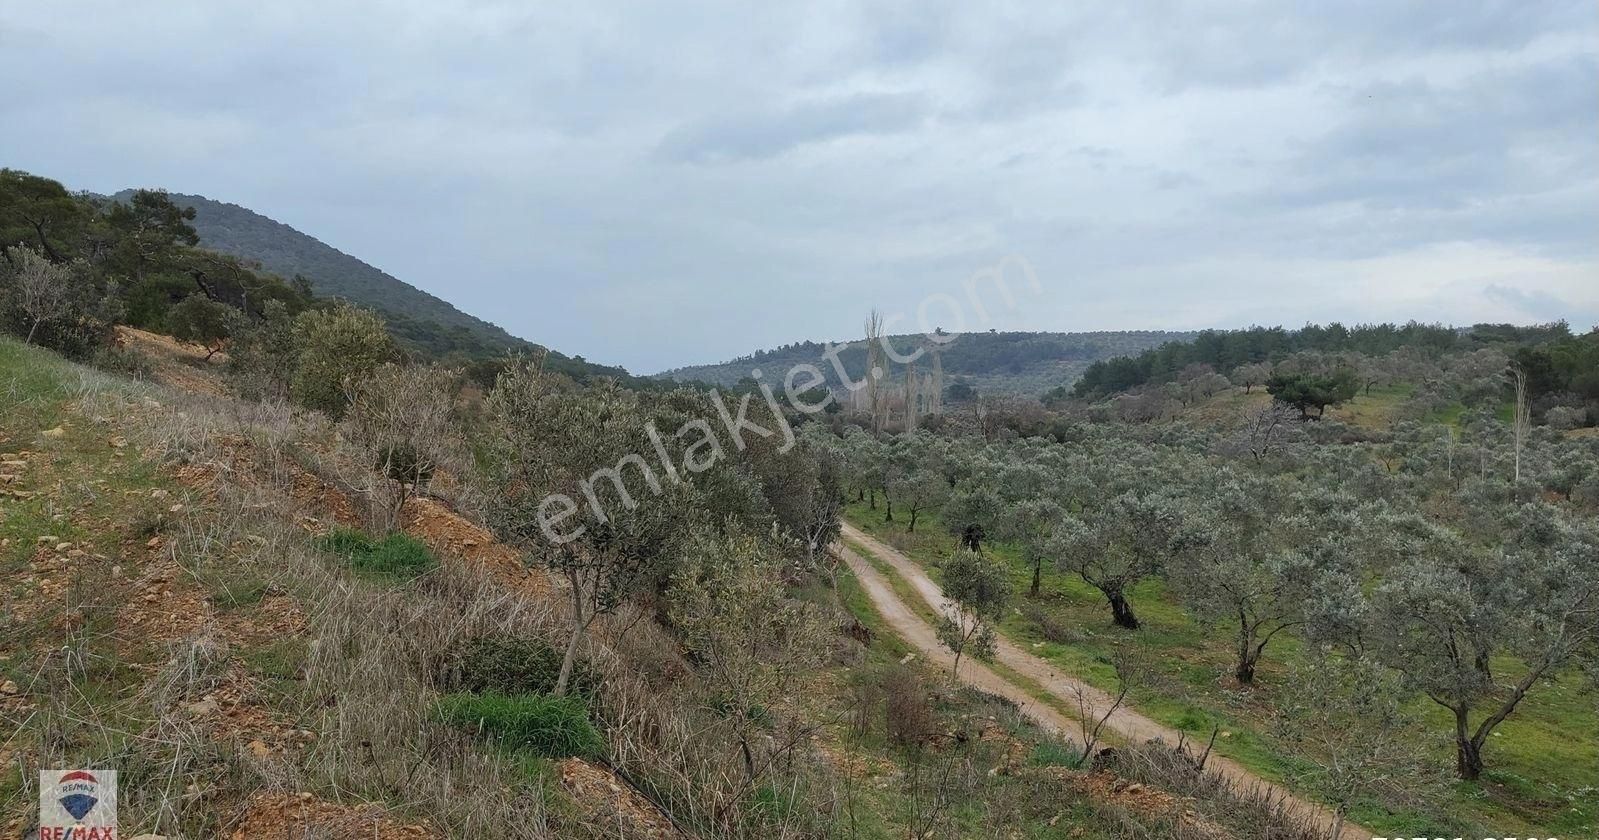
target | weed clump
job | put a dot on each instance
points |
(553, 727)
(395, 557)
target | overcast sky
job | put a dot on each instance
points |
(657, 186)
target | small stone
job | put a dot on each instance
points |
(259, 748)
(63, 546)
(151, 837)
(55, 433)
(304, 796)
(118, 442)
(175, 509)
(155, 542)
(116, 571)
(158, 493)
(46, 539)
(10, 688)
(201, 708)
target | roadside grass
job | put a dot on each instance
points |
(1543, 769)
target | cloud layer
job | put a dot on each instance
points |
(655, 187)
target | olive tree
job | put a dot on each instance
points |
(971, 513)
(549, 444)
(1452, 614)
(1114, 545)
(1347, 720)
(199, 320)
(750, 642)
(979, 590)
(336, 348)
(1228, 563)
(1032, 525)
(916, 490)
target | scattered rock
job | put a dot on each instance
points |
(10, 688)
(259, 748)
(158, 493)
(63, 546)
(155, 542)
(54, 433)
(201, 708)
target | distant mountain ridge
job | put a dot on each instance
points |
(422, 320)
(1022, 363)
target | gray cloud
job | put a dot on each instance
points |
(657, 186)
(762, 135)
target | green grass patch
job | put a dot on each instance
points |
(1054, 754)
(396, 557)
(549, 726)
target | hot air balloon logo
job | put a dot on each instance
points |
(78, 804)
(78, 792)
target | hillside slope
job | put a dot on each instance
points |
(1026, 363)
(421, 320)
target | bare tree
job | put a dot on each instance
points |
(876, 369)
(1518, 377)
(44, 290)
(1092, 721)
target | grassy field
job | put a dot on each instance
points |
(1543, 767)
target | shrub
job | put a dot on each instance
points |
(908, 711)
(512, 665)
(554, 727)
(1565, 417)
(336, 348)
(396, 556)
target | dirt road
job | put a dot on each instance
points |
(1126, 723)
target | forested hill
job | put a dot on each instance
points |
(425, 322)
(1023, 363)
(1223, 351)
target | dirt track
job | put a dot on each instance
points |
(1126, 723)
